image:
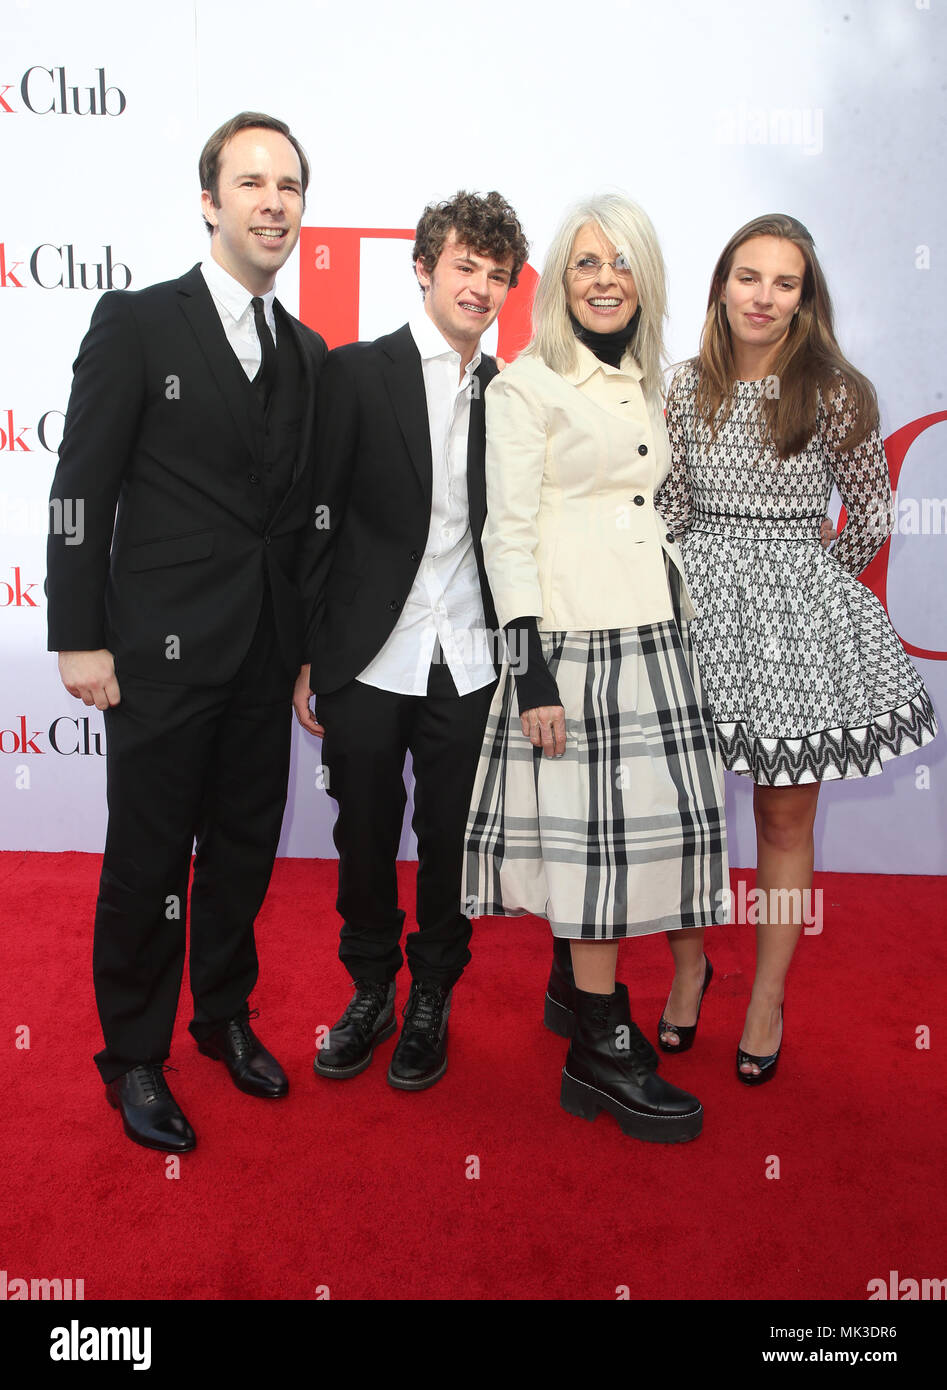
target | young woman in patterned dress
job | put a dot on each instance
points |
(805, 675)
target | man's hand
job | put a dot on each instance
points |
(301, 697)
(90, 676)
(827, 533)
(545, 728)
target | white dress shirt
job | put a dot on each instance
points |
(445, 603)
(234, 306)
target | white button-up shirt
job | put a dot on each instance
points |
(445, 603)
(233, 304)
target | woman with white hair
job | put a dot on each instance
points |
(598, 800)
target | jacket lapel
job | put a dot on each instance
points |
(285, 323)
(201, 313)
(404, 381)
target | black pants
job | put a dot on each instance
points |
(209, 762)
(368, 733)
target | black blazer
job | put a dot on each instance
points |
(159, 426)
(372, 501)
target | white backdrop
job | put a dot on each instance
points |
(705, 114)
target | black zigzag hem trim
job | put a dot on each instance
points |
(829, 754)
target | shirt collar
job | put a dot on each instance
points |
(229, 292)
(587, 364)
(430, 341)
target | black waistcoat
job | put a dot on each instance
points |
(276, 436)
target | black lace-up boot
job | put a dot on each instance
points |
(350, 1043)
(420, 1057)
(612, 1066)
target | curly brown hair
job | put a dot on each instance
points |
(484, 222)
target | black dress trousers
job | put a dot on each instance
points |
(368, 733)
(209, 763)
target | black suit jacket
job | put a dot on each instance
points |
(160, 448)
(372, 496)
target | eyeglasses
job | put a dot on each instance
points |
(588, 266)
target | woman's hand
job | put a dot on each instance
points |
(827, 533)
(545, 728)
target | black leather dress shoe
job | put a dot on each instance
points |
(150, 1114)
(420, 1057)
(252, 1068)
(369, 1018)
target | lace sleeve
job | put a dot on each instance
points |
(673, 498)
(861, 476)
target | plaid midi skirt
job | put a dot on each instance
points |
(625, 833)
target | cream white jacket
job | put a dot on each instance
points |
(572, 536)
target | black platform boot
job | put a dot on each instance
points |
(559, 1011)
(612, 1066)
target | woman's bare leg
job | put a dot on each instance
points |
(687, 948)
(594, 963)
(785, 818)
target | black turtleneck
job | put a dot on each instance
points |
(608, 347)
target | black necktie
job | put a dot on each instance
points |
(266, 376)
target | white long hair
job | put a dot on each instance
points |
(629, 230)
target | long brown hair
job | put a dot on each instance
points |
(809, 363)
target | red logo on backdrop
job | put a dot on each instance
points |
(68, 737)
(11, 434)
(875, 575)
(329, 273)
(16, 594)
(48, 429)
(20, 739)
(8, 271)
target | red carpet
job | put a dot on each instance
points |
(362, 1190)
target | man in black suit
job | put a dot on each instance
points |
(188, 443)
(401, 638)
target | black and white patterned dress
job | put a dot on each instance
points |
(804, 673)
